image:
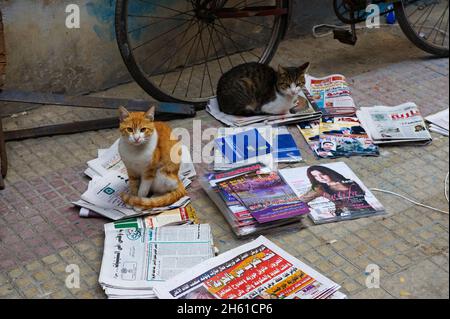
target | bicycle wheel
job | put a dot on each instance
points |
(177, 50)
(342, 11)
(425, 23)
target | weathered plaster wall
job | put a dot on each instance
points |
(43, 55)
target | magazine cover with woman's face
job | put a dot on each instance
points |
(332, 191)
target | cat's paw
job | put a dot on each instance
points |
(125, 197)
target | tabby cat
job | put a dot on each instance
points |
(255, 89)
(152, 160)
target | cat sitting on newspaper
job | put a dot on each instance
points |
(254, 89)
(152, 160)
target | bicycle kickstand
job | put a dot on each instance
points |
(347, 36)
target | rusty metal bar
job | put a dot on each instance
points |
(186, 110)
(59, 129)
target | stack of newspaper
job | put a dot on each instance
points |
(331, 94)
(257, 270)
(110, 179)
(394, 124)
(301, 114)
(134, 259)
(439, 122)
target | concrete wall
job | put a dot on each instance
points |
(43, 55)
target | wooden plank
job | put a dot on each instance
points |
(2, 54)
(186, 110)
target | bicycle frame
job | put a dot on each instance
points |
(246, 12)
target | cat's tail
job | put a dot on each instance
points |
(157, 201)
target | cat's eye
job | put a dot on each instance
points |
(129, 130)
(143, 130)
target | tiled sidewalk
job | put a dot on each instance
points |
(41, 233)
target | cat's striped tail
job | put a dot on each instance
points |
(157, 201)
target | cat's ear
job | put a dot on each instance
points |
(281, 69)
(304, 68)
(123, 113)
(150, 114)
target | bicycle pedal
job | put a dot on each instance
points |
(345, 36)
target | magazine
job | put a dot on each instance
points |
(286, 149)
(331, 94)
(339, 136)
(236, 147)
(439, 122)
(344, 137)
(297, 115)
(134, 259)
(257, 270)
(238, 216)
(394, 124)
(311, 133)
(333, 192)
(267, 197)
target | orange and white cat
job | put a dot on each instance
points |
(152, 160)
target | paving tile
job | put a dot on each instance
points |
(41, 233)
(423, 280)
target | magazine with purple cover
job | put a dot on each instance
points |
(267, 196)
(333, 192)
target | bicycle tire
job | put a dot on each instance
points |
(142, 79)
(411, 34)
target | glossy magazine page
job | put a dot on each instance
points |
(333, 192)
(238, 217)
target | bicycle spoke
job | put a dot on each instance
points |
(248, 4)
(446, 27)
(421, 16)
(254, 23)
(168, 8)
(167, 43)
(167, 59)
(185, 63)
(223, 45)
(232, 41)
(441, 18)
(234, 31)
(429, 13)
(235, 44)
(161, 19)
(159, 36)
(192, 68)
(175, 52)
(206, 68)
(215, 50)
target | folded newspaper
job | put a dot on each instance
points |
(394, 124)
(331, 94)
(134, 259)
(303, 114)
(439, 122)
(257, 270)
(110, 179)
